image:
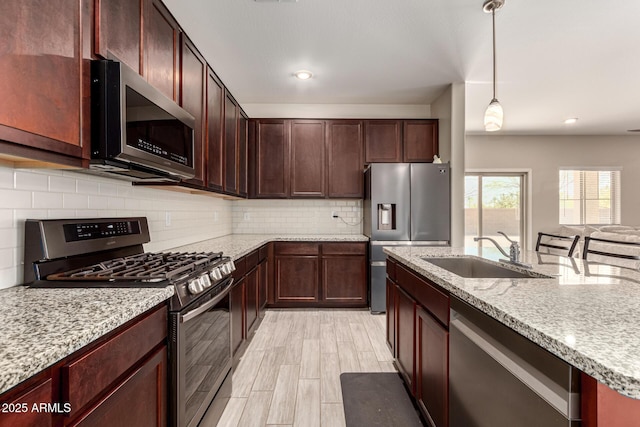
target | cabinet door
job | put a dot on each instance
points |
(345, 158)
(307, 158)
(382, 141)
(139, 400)
(405, 337)
(161, 54)
(118, 25)
(243, 123)
(192, 95)
(344, 280)
(237, 318)
(432, 368)
(420, 140)
(215, 152)
(41, 75)
(391, 316)
(230, 144)
(263, 284)
(271, 159)
(251, 298)
(296, 279)
(18, 410)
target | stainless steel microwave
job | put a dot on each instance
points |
(137, 133)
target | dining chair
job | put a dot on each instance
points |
(554, 241)
(602, 252)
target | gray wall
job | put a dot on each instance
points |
(544, 155)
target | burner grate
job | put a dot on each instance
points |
(144, 267)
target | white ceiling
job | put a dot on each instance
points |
(556, 59)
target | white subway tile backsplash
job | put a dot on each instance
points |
(9, 277)
(75, 201)
(15, 199)
(86, 187)
(6, 178)
(47, 200)
(25, 180)
(98, 202)
(62, 184)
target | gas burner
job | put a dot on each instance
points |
(151, 267)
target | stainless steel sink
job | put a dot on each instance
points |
(478, 269)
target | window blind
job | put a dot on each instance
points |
(589, 196)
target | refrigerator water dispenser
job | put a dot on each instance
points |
(386, 216)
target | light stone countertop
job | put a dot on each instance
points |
(239, 245)
(39, 327)
(588, 314)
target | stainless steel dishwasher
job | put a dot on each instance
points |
(499, 378)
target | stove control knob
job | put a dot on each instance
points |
(195, 287)
(216, 274)
(226, 269)
(232, 266)
(204, 280)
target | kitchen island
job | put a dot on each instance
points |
(585, 313)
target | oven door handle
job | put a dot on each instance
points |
(206, 306)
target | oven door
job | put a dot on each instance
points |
(200, 355)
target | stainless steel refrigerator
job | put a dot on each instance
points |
(405, 204)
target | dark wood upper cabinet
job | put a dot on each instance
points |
(270, 159)
(161, 53)
(243, 123)
(345, 158)
(420, 140)
(230, 144)
(193, 73)
(41, 75)
(215, 152)
(307, 158)
(383, 141)
(118, 25)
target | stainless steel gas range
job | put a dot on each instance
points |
(108, 252)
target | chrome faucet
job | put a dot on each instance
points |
(514, 250)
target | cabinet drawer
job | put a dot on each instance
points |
(87, 377)
(426, 294)
(252, 259)
(391, 268)
(263, 252)
(286, 248)
(344, 248)
(241, 268)
(20, 409)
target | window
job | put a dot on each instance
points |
(494, 202)
(589, 196)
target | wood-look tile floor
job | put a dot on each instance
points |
(290, 373)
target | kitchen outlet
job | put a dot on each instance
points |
(247, 216)
(334, 214)
(215, 216)
(167, 219)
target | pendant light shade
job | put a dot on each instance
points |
(494, 114)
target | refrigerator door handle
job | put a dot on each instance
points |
(379, 264)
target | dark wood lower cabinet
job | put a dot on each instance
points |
(251, 298)
(139, 401)
(237, 315)
(19, 409)
(344, 279)
(405, 337)
(432, 368)
(391, 316)
(263, 284)
(313, 274)
(296, 278)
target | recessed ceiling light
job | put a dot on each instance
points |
(571, 121)
(303, 74)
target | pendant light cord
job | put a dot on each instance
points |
(493, 19)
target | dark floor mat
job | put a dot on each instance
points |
(377, 399)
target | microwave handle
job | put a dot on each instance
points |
(206, 306)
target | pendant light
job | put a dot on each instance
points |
(493, 115)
